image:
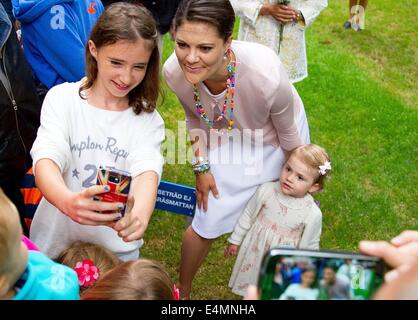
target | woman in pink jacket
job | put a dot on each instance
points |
(243, 117)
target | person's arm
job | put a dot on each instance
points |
(79, 206)
(311, 9)
(312, 233)
(400, 254)
(249, 10)
(282, 112)
(145, 163)
(135, 223)
(52, 157)
(205, 183)
(248, 216)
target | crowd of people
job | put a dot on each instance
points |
(91, 102)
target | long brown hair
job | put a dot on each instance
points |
(129, 22)
(218, 13)
(142, 279)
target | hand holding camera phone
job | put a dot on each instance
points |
(291, 274)
(119, 182)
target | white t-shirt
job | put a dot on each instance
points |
(79, 138)
(296, 292)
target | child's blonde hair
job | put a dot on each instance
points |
(314, 156)
(142, 279)
(103, 259)
(7, 209)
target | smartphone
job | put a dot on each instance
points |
(293, 274)
(119, 182)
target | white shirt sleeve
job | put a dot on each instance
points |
(247, 9)
(147, 153)
(248, 216)
(52, 140)
(311, 9)
(312, 233)
(283, 113)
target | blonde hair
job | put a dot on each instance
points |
(103, 259)
(142, 279)
(314, 156)
(7, 209)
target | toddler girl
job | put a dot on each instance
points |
(280, 214)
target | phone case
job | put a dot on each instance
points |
(119, 182)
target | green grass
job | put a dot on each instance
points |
(361, 101)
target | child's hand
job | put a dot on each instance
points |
(231, 250)
(83, 209)
(132, 226)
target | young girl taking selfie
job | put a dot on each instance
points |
(106, 119)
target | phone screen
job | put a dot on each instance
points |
(288, 274)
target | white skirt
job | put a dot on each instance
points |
(237, 180)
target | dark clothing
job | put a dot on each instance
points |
(162, 10)
(7, 4)
(19, 112)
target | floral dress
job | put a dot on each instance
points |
(272, 219)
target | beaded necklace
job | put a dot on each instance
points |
(230, 92)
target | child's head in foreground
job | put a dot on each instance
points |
(13, 252)
(141, 279)
(305, 171)
(90, 261)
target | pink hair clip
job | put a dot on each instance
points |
(87, 273)
(176, 293)
(324, 168)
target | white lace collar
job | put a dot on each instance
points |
(292, 202)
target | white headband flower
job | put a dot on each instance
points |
(323, 169)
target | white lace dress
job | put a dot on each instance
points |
(266, 30)
(272, 219)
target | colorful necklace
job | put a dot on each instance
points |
(230, 92)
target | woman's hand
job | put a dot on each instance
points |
(81, 207)
(204, 184)
(231, 250)
(282, 13)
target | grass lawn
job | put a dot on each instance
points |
(361, 101)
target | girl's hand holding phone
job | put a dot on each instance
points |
(132, 226)
(81, 207)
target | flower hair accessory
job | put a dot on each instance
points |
(323, 169)
(176, 293)
(87, 273)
